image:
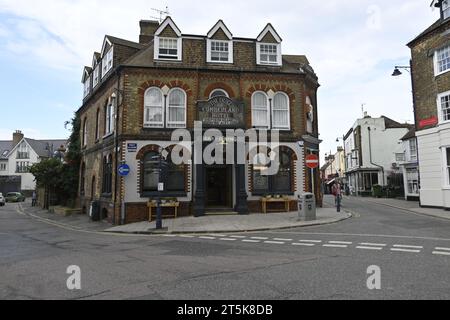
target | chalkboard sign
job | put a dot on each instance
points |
(221, 112)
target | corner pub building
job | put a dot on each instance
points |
(137, 94)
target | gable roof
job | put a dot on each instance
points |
(86, 73)
(123, 42)
(271, 29)
(392, 124)
(96, 59)
(168, 22)
(43, 148)
(220, 25)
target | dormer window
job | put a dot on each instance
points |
(87, 87)
(446, 9)
(168, 42)
(220, 51)
(168, 48)
(96, 78)
(268, 53)
(107, 62)
(219, 45)
(268, 47)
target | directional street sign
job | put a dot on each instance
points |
(124, 170)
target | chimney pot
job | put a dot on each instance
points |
(148, 30)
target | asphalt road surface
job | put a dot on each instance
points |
(411, 252)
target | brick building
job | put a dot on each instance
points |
(137, 94)
(430, 67)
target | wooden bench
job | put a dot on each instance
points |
(174, 205)
(265, 201)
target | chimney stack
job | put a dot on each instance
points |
(17, 137)
(148, 30)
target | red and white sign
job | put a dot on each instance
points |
(428, 122)
(312, 161)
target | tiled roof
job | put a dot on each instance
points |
(126, 43)
(5, 146)
(390, 124)
(43, 148)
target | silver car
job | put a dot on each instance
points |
(2, 200)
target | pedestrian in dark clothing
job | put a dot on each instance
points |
(34, 199)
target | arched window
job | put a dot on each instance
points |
(280, 112)
(153, 108)
(260, 110)
(97, 125)
(218, 93)
(150, 172)
(83, 178)
(176, 109)
(85, 132)
(109, 117)
(107, 175)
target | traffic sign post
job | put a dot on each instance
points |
(124, 170)
(312, 162)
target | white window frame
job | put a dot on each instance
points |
(437, 72)
(107, 62)
(272, 105)
(439, 105)
(258, 54)
(175, 124)
(259, 126)
(110, 118)
(179, 55)
(209, 43)
(218, 90)
(96, 76)
(152, 125)
(413, 154)
(446, 9)
(87, 87)
(445, 168)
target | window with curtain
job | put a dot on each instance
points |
(176, 109)
(280, 112)
(260, 112)
(150, 172)
(153, 108)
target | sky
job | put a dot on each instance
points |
(353, 45)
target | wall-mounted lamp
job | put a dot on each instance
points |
(397, 71)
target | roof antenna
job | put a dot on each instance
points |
(362, 109)
(162, 14)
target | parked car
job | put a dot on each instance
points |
(15, 197)
(2, 200)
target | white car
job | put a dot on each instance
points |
(2, 200)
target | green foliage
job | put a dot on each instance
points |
(62, 178)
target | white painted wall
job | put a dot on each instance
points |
(28, 182)
(434, 189)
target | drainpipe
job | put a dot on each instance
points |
(370, 152)
(119, 100)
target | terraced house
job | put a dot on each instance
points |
(430, 67)
(137, 93)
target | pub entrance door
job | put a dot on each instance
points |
(219, 187)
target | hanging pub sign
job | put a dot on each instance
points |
(221, 113)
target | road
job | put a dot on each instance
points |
(323, 262)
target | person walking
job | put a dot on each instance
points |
(337, 192)
(33, 199)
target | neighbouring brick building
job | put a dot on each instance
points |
(430, 67)
(137, 94)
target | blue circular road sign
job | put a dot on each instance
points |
(124, 170)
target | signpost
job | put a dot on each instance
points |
(312, 162)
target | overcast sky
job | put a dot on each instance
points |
(353, 46)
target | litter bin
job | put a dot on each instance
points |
(307, 207)
(94, 211)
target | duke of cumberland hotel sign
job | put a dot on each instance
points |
(221, 113)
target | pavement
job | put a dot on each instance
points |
(185, 225)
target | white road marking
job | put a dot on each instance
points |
(310, 241)
(406, 250)
(186, 236)
(227, 239)
(207, 238)
(170, 235)
(441, 253)
(335, 246)
(251, 241)
(238, 237)
(373, 244)
(443, 249)
(274, 242)
(369, 248)
(218, 235)
(340, 242)
(259, 238)
(407, 247)
(304, 244)
(281, 239)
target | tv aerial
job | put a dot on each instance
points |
(162, 14)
